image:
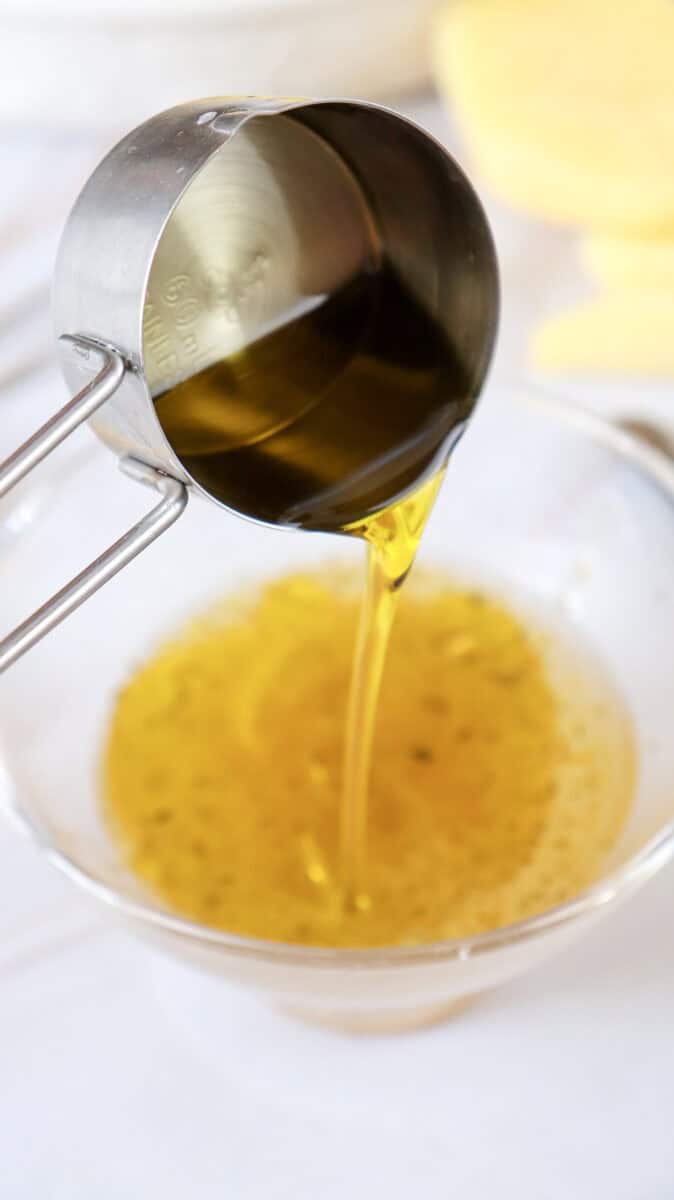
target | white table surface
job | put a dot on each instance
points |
(122, 1079)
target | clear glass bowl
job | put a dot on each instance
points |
(542, 504)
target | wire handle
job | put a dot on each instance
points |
(127, 547)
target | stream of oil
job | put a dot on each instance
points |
(393, 537)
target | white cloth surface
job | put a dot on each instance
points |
(114, 1084)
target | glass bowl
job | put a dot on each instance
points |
(542, 504)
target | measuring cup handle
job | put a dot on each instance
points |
(66, 420)
(135, 540)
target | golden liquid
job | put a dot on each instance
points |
(393, 538)
(260, 778)
(329, 417)
(502, 767)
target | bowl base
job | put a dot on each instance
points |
(384, 1021)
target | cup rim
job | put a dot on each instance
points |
(658, 469)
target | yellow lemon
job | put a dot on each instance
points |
(568, 104)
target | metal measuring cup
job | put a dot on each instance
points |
(205, 231)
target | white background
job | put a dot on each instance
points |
(123, 1078)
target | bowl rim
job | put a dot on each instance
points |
(656, 467)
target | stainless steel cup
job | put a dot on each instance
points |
(215, 224)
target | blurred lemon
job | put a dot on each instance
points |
(568, 107)
(621, 332)
(569, 104)
(622, 262)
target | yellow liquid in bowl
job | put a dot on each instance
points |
(502, 769)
